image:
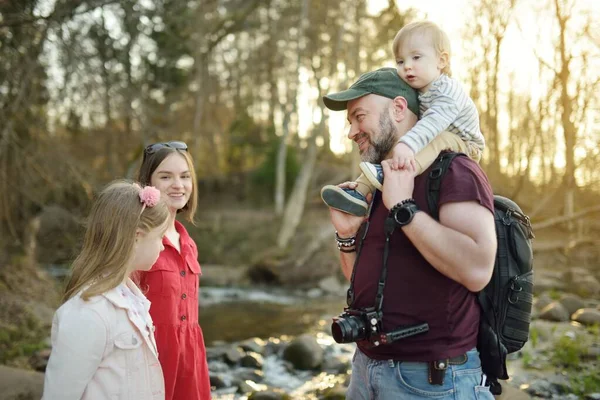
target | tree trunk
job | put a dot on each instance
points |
(566, 117)
(282, 152)
(358, 17)
(281, 161)
(295, 205)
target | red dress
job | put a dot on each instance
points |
(172, 287)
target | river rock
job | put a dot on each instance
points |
(335, 393)
(554, 312)
(304, 352)
(548, 387)
(592, 303)
(593, 352)
(546, 280)
(39, 360)
(269, 395)
(255, 345)
(335, 365)
(571, 302)
(587, 316)
(58, 235)
(234, 355)
(216, 352)
(542, 301)
(243, 387)
(582, 281)
(250, 374)
(218, 366)
(511, 393)
(217, 381)
(252, 360)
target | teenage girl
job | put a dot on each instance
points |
(172, 283)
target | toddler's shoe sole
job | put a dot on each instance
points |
(370, 173)
(337, 198)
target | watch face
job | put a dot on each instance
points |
(403, 215)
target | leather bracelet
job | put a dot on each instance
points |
(344, 242)
(339, 239)
(352, 250)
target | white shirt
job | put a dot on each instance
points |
(445, 107)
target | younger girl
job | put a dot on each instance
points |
(102, 336)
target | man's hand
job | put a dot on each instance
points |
(402, 157)
(347, 225)
(398, 185)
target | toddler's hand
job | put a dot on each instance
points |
(403, 157)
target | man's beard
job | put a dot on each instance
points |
(382, 142)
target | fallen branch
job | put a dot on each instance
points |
(563, 245)
(565, 218)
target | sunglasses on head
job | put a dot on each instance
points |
(153, 148)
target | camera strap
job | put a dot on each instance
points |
(389, 226)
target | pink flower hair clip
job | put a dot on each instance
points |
(149, 196)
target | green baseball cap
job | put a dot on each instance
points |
(383, 82)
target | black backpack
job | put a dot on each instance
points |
(507, 300)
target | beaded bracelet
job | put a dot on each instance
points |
(344, 242)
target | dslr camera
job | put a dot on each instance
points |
(355, 325)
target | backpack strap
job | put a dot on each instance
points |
(434, 180)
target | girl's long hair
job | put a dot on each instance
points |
(109, 240)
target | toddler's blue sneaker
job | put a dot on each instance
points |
(373, 173)
(349, 201)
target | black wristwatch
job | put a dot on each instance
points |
(404, 212)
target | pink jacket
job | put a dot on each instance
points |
(102, 349)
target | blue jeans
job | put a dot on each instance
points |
(383, 380)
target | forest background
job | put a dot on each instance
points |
(85, 85)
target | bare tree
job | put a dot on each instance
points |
(487, 31)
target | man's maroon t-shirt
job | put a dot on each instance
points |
(415, 292)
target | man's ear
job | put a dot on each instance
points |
(399, 107)
(444, 60)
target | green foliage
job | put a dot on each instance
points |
(263, 179)
(594, 330)
(568, 352)
(555, 294)
(246, 143)
(583, 378)
(527, 359)
(587, 381)
(534, 336)
(22, 339)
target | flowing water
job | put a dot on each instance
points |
(232, 315)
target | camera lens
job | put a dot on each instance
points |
(348, 330)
